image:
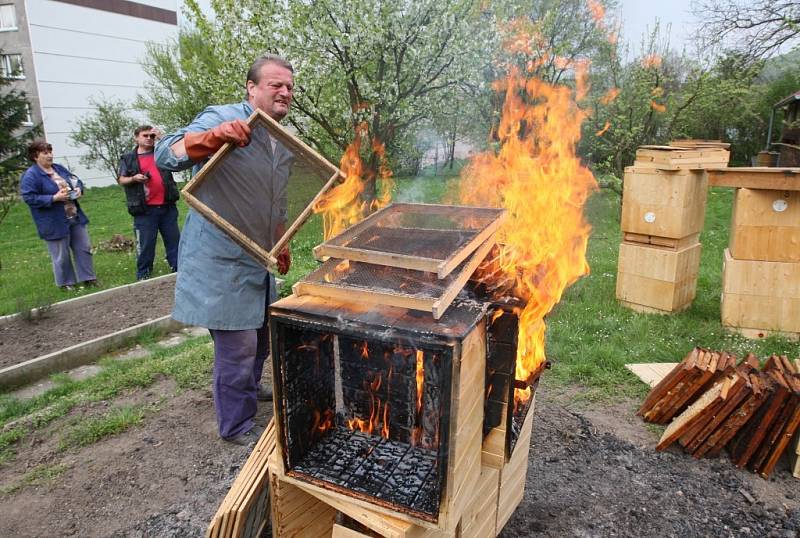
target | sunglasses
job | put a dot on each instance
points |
(149, 136)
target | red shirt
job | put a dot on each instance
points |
(154, 189)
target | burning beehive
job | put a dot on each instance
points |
(380, 403)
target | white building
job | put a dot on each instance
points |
(63, 53)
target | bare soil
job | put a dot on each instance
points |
(22, 340)
(593, 471)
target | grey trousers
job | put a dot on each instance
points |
(78, 241)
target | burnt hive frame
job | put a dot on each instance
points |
(451, 233)
(404, 288)
(327, 171)
(461, 331)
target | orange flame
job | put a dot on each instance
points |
(322, 421)
(343, 206)
(420, 379)
(539, 179)
(605, 128)
(364, 350)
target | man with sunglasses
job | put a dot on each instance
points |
(151, 195)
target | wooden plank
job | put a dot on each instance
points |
(665, 243)
(651, 373)
(512, 476)
(482, 510)
(441, 304)
(344, 532)
(385, 525)
(297, 514)
(694, 413)
(769, 178)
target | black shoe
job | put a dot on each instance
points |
(92, 283)
(247, 438)
(263, 394)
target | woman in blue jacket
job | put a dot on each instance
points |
(52, 194)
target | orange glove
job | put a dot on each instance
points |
(206, 143)
(284, 260)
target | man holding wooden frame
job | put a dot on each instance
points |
(220, 286)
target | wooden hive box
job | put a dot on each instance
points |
(761, 297)
(512, 476)
(663, 203)
(674, 158)
(295, 513)
(766, 225)
(657, 280)
(460, 332)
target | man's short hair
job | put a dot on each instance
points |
(36, 147)
(142, 128)
(254, 73)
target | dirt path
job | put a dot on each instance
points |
(592, 472)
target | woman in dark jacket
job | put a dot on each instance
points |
(52, 193)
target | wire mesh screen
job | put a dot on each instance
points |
(381, 279)
(424, 237)
(239, 191)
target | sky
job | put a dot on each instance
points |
(639, 17)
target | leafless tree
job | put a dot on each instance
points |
(758, 27)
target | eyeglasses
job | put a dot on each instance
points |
(149, 136)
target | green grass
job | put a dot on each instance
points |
(188, 364)
(91, 430)
(42, 474)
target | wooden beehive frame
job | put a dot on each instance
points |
(435, 305)
(322, 166)
(442, 267)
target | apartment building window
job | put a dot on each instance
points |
(8, 17)
(11, 66)
(29, 117)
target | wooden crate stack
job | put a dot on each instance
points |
(761, 271)
(663, 209)
(245, 509)
(713, 403)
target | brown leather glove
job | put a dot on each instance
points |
(206, 143)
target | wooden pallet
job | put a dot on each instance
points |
(244, 510)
